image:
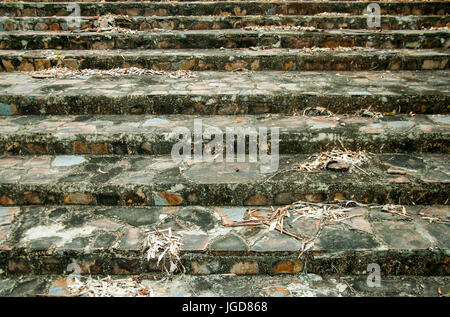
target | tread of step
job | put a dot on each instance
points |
(229, 60)
(160, 180)
(132, 134)
(227, 93)
(232, 38)
(107, 240)
(223, 8)
(224, 285)
(228, 22)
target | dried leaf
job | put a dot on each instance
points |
(273, 225)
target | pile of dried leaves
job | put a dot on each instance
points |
(436, 28)
(316, 49)
(369, 114)
(332, 14)
(317, 111)
(161, 244)
(395, 209)
(108, 287)
(343, 160)
(168, 244)
(64, 72)
(279, 28)
(326, 213)
(107, 23)
(427, 216)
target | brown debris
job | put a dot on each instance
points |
(317, 111)
(169, 244)
(108, 287)
(336, 160)
(63, 72)
(280, 28)
(369, 114)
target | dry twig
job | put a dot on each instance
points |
(349, 159)
(169, 244)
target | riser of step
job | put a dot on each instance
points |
(160, 180)
(227, 93)
(222, 8)
(149, 135)
(105, 240)
(205, 23)
(229, 60)
(224, 285)
(204, 39)
(397, 262)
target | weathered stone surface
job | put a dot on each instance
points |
(132, 240)
(415, 39)
(274, 241)
(220, 93)
(301, 285)
(439, 232)
(98, 183)
(102, 242)
(299, 134)
(195, 242)
(28, 287)
(304, 226)
(342, 84)
(288, 267)
(335, 21)
(204, 8)
(339, 239)
(400, 235)
(245, 267)
(230, 243)
(139, 216)
(359, 223)
(59, 287)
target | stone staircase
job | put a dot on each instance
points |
(86, 169)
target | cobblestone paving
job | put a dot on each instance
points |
(156, 180)
(339, 59)
(113, 134)
(238, 8)
(110, 240)
(302, 285)
(227, 93)
(232, 38)
(334, 21)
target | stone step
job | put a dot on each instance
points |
(227, 93)
(224, 285)
(229, 60)
(105, 240)
(276, 179)
(150, 135)
(207, 39)
(157, 23)
(224, 8)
